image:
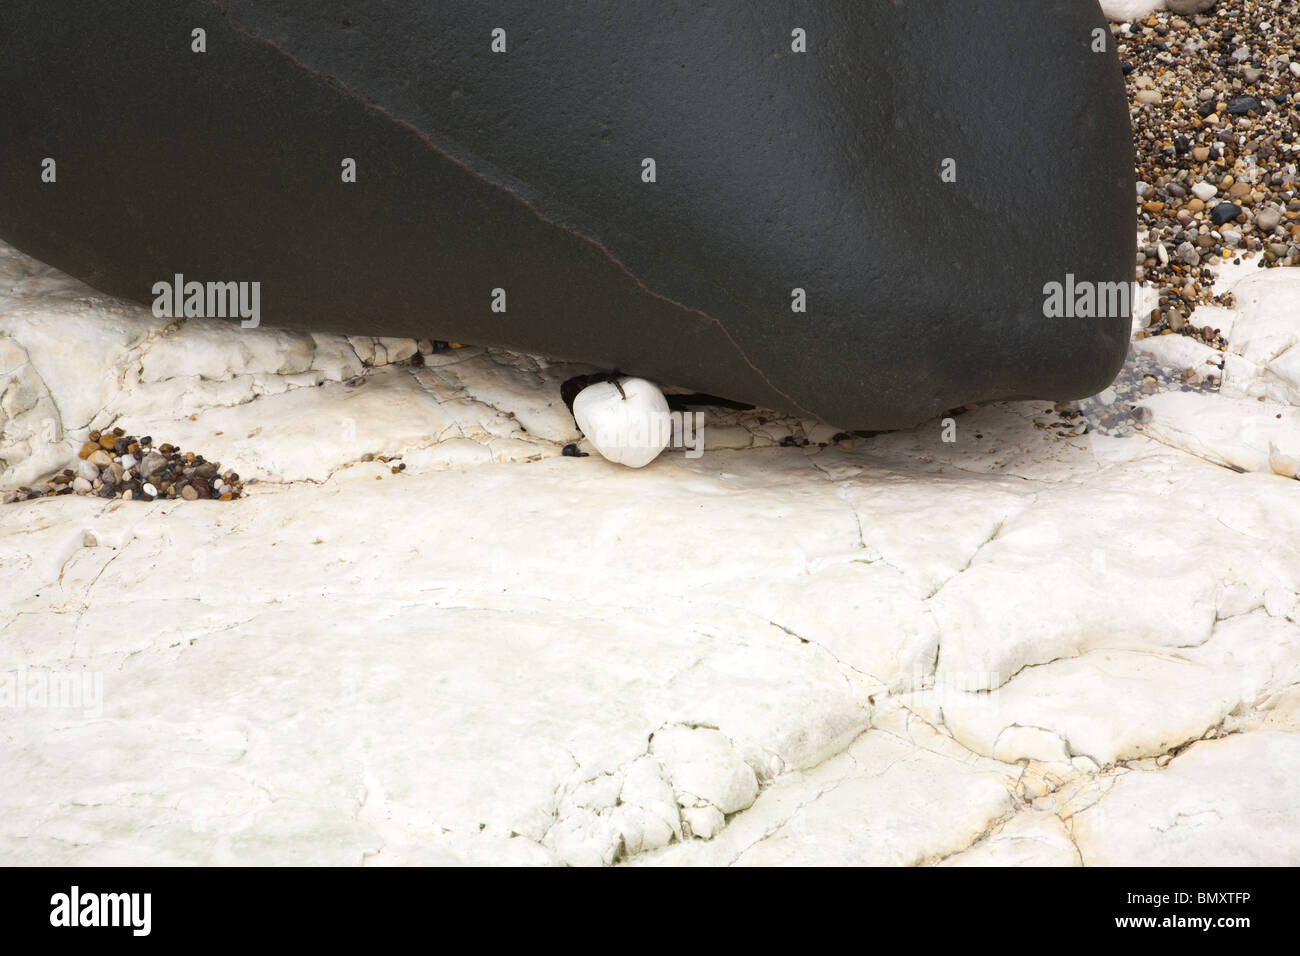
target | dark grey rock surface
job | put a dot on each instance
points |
(522, 171)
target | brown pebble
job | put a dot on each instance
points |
(226, 496)
(106, 442)
(188, 493)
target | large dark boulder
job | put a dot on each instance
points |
(775, 170)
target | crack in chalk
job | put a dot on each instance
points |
(1205, 457)
(464, 397)
(1102, 784)
(836, 784)
(786, 821)
(835, 657)
(1181, 815)
(917, 745)
(85, 597)
(1068, 826)
(337, 84)
(995, 824)
(842, 495)
(997, 530)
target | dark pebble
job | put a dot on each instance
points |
(571, 450)
(1224, 213)
(1241, 105)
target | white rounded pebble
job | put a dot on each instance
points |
(80, 485)
(1205, 192)
(87, 470)
(629, 428)
(149, 489)
(128, 461)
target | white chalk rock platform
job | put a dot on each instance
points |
(1019, 647)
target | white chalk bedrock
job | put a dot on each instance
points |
(763, 655)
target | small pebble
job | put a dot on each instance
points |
(152, 464)
(1266, 220)
(1224, 212)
